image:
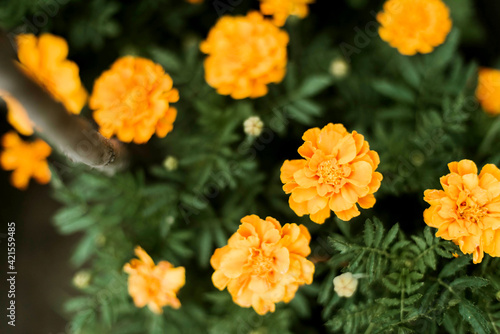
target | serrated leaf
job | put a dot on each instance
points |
(205, 244)
(443, 54)
(389, 301)
(420, 242)
(369, 233)
(391, 235)
(430, 260)
(469, 282)
(429, 238)
(340, 245)
(314, 84)
(454, 266)
(396, 92)
(410, 72)
(379, 232)
(474, 316)
(412, 299)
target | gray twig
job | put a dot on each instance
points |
(72, 135)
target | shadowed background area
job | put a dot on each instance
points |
(44, 275)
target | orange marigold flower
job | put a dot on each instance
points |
(44, 60)
(154, 285)
(132, 100)
(245, 53)
(27, 160)
(414, 26)
(282, 9)
(195, 1)
(263, 263)
(17, 115)
(488, 90)
(467, 210)
(338, 171)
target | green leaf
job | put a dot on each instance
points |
(369, 233)
(308, 107)
(412, 299)
(205, 243)
(72, 219)
(420, 242)
(314, 84)
(340, 245)
(430, 260)
(454, 266)
(85, 248)
(391, 235)
(409, 72)
(444, 53)
(469, 282)
(301, 306)
(106, 313)
(389, 301)
(298, 115)
(166, 58)
(394, 91)
(429, 238)
(379, 232)
(474, 316)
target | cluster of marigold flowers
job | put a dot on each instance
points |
(263, 262)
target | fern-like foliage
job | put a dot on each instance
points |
(407, 285)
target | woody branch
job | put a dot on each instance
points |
(70, 134)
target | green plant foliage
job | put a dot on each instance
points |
(406, 285)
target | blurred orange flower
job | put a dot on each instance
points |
(154, 286)
(338, 171)
(132, 100)
(44, 60)
(282, 9)
(263, 263)
(27, 160)
(195, 1)
(17, 115)
(414, 26)
(488, 90)
(467, 210)
(245, 53)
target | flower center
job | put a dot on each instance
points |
(471, 213)
(135, 98)
(261, 265)
(332, 173)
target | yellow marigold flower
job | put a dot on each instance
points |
(414, 26)
(154, 285)
(336, 172)
(282, 9)
(263, 263)
(467, 210)
(27, 160)
(488, 90)
(44, 60)
(245, 53)
(17, 115)
(132, 100)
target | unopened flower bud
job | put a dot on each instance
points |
(170, 163)
(82, 279)
(253, 126)
(345, 285)
(339, 68)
